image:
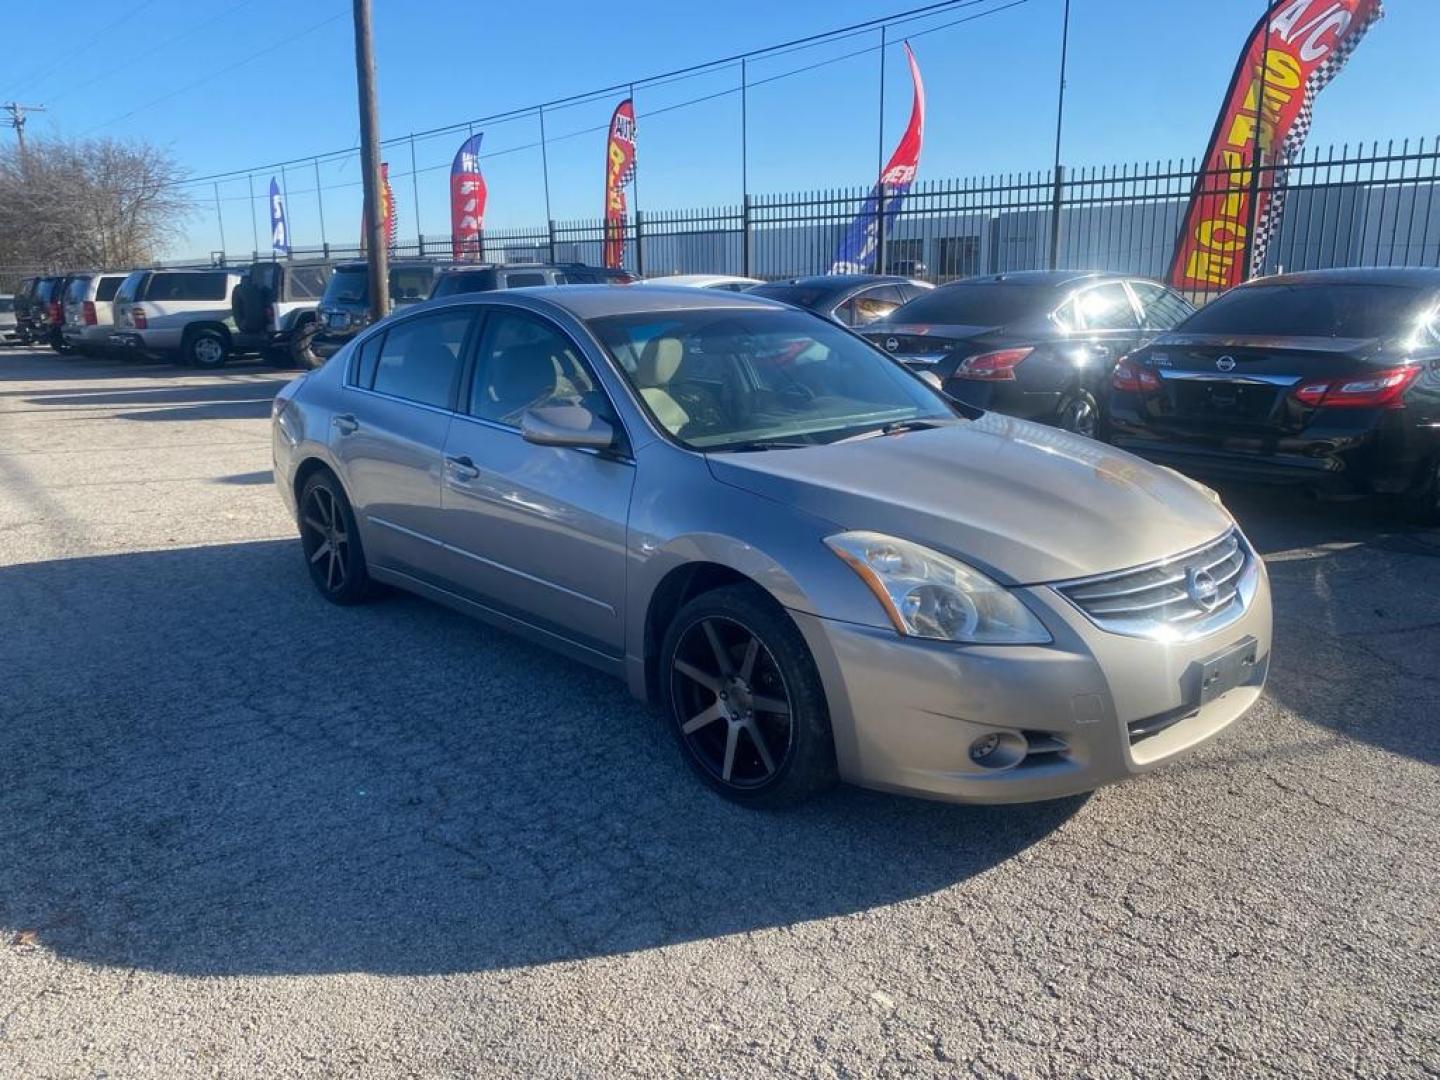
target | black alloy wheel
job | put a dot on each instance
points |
(745, 700)
(331, 544)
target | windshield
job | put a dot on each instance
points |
(1328, 310)
(806, 296)
(991, 304)
(722, 379)
(348, 285)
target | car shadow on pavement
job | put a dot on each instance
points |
(1356, 594)
(206, 769)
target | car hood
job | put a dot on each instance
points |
(1022, 502)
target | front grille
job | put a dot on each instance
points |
(1179, 598)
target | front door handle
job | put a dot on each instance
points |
(346, 424)
(461, 468)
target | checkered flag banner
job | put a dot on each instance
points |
(1269, 225)
(1289, 57)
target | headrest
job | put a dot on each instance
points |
(660, 361)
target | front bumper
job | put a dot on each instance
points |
(906, 713)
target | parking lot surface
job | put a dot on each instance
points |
(244, 832)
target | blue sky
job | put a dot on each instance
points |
(1146, 79)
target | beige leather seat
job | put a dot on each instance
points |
(659, 361)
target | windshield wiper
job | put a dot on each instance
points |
(895, 427)
(761, 444)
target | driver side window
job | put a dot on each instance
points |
(525, 362)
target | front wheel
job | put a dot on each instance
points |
(332, 543)
(206, 349)
(744, 699)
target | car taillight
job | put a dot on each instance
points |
(996, 366)
(1134, 379)
(89, 310)
(1371, 390)
(54, 312)
(269, 313)
(137, 318)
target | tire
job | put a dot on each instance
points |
(750, 719)
(1080, 414)
(302, 347)
(205, 348)
(247, 304)
(57, 342)
(331, 542)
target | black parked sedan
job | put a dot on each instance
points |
(1329, 379)
(1038, 345)
(849, 299)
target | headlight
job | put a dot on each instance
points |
(929, 595)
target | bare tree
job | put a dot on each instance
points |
(99, 203)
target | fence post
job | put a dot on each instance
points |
(639, 243)
(746, 257)
(880, 227)
(325, 248)
(1057, 200)
(421, 238)
(551, 238)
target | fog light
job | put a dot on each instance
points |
(998, 750)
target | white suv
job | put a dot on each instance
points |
(187, 313)
(88, 311)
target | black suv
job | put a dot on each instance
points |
(465, 279)
(344, 308)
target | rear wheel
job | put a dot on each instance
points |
(744, 699)
(331, 542)
(206, 348)
(1081, 414)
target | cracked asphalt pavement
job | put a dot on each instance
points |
(244, 833)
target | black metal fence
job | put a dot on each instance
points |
(1343, 206)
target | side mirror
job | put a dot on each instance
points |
(572, 426)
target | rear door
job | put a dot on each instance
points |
(390, 430)
(536, 531)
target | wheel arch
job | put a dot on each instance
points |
(191, 329)
(676, 588)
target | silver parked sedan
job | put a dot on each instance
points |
(815, 564)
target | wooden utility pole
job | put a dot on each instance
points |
(17, 118)
(376, 250)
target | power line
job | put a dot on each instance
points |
(69, 55)
(222, 71)
(779, 48)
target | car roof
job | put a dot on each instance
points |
(1414, 276)
(692, 279)
(596, 301)
(1054, 279)
(841, 281)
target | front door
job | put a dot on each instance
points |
(537, 532)
(389, 434)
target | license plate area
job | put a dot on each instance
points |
(338, 321)
(1217, 675)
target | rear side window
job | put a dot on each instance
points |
(7, 304)
(521, 281)
(207, 286)
(107, 288)
(420, 358)
(366, 357)
(471, 281)
(1106, 307)
(306, 282)
(1161, 308)
(132, 287)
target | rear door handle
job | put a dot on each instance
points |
(461, 468)
(346, 425)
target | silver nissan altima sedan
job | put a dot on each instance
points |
(816, 565)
